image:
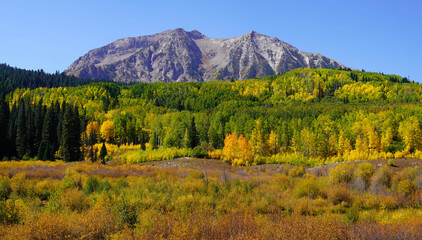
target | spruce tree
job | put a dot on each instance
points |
(48, 136)
(11, 135)
(193, 134)
(71, 135)
(39, 114)
(4, 125)
(103, 153)
(21, 130)
(29, 113)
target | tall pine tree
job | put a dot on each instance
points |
(4, 125)
(21, 130)
(193, 134)
(71, 134)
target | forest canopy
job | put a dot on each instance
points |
(306, 116)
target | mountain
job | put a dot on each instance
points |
(180, 56)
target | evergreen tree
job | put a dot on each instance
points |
(103, 153)
(11, 135)
(48, 143)
(39, 115)
(142, 139)
(193, 134)
(30, 130)
(21, 130)
(71, 135)
(4, 125)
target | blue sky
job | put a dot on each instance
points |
(380, 36)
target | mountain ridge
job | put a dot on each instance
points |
(180, 56)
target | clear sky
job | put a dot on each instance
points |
(375, 35)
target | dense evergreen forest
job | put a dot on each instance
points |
(306, 116)
(12, 78)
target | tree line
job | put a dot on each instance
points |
(31, 130)
(311, 115)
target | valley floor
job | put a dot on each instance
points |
(189, 198)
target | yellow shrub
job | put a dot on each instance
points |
(74, 200)
(342, 173)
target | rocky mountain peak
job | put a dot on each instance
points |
(180, 55)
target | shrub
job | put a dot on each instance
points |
(297, 171)
(342, 173)
(383, 176)
(388, 202)
(365, 171)
(307, 187)
(74, 200)
(406, 187)
(5, 189)
(45, 188)
(17, 183)
(126, 212)
(10, 211)
(408, 174)
(340, 194)
(199, 152)
(91, 185)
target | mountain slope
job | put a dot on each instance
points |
(179, 56)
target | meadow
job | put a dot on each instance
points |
(59, 200)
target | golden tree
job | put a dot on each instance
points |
(107, 130)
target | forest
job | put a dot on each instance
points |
(304, 117)
(74, 151)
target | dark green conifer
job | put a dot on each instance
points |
(21, 130)
(103, 153)
(193, 134)
(4, 125)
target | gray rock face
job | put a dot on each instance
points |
(179, 56)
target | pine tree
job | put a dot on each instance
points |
(30, 130)
(71, 135)
(193, 134)
(48, 136)
(4, 125)
(103, 153)
(11, 134)
(21, 130)
(39, 114)
(142, 139)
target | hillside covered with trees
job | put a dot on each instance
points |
(306, 116)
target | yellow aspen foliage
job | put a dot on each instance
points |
(332, 141)
(93, 128)
(410, 132)
(343, 144)
(107, 130)
(373, 141)
(359, 146)
(246, 151)
(386, 139)
(257, 140)
(272, 143)
(230, 147)
(237, 150)
(308, 142)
